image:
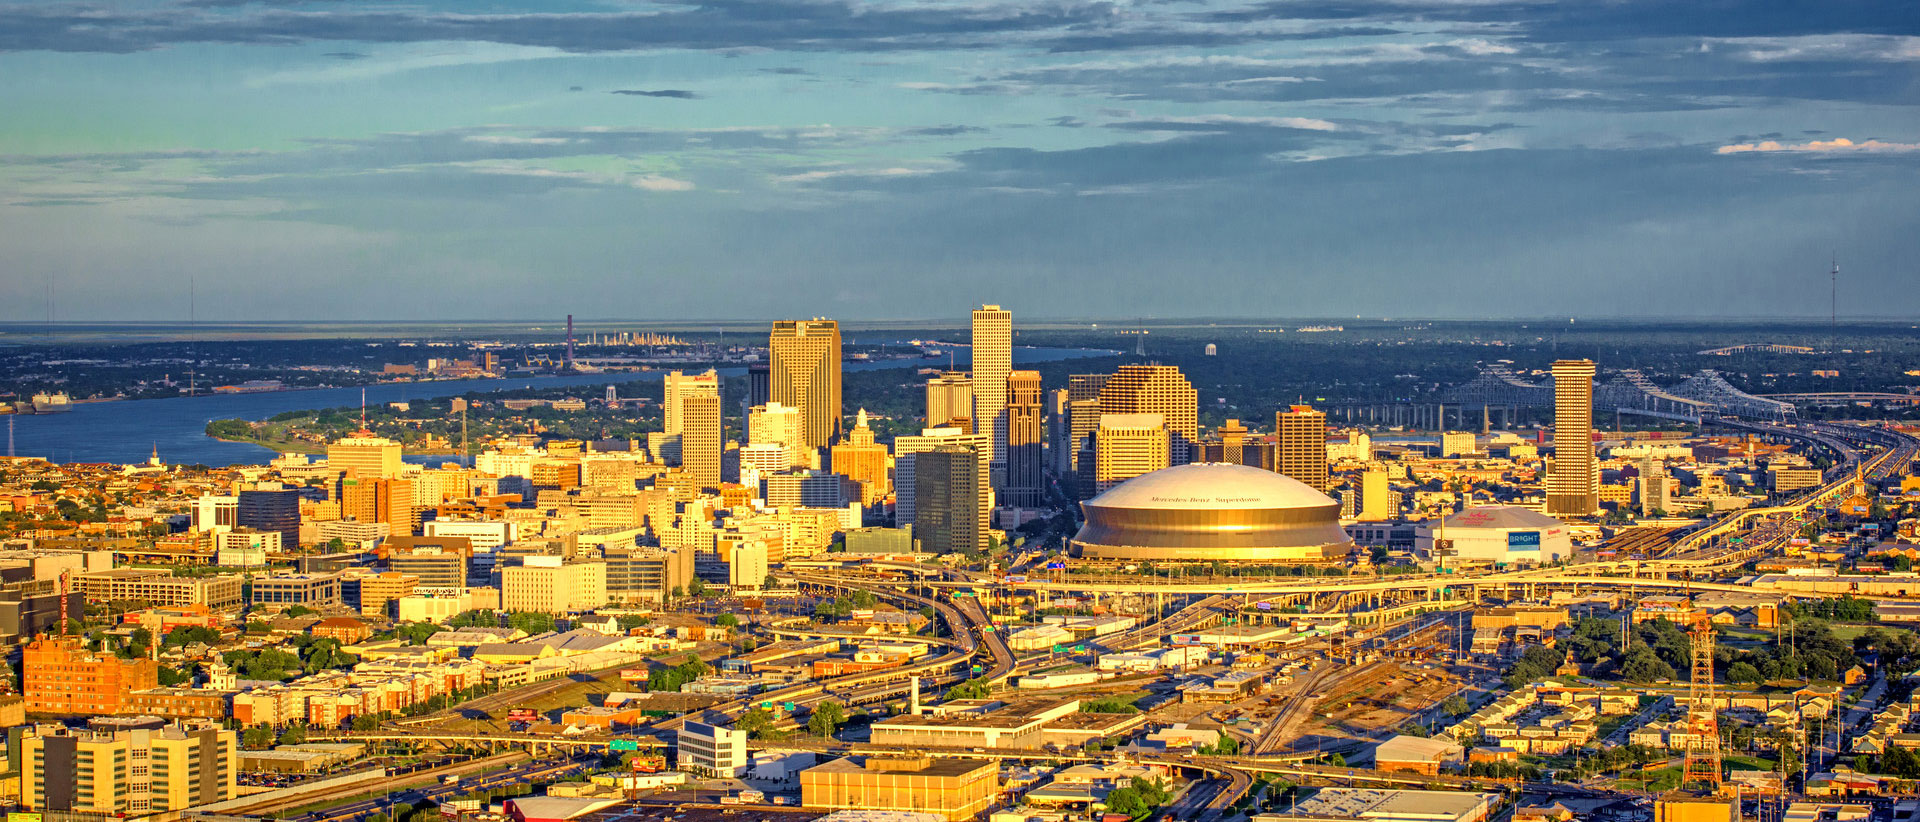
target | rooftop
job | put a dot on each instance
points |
(1212, 486)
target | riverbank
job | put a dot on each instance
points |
(317, 449)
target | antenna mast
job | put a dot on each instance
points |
(1833, 310)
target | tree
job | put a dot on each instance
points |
(532, 622)
(365, 722)
(416, 633)
(827, 717)
(726, 620)
(1126, 800)
(757, 723)
(970, 689)
(257, 737)
(1455, 705)
(1743, 673)
(293, 735)
(1641, 665)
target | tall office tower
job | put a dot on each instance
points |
(1083, 416)
(1157, 389)
(778, 424)
(271, 511)
(756, 393)
(134, 771)
(1025, 477)
(678, 387)
(949, 516)
(700, 437)
(805, 374)
(992, 360)
(394, 499)
(949, 398)
(1374, 494)
(861, 460)
(379, 500)
(367, 456)
(1059, 463)
(1303, 445)
(907, 448)
(1128, 445)
(1654, 488)
(1573, 480)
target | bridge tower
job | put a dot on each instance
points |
(1703, 724)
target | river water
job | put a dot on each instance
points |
(128, 432)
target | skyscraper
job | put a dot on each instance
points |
(949, 398)
(1156, 389)
(779, 424)
(906, 450)
(860, 459)
(700, 436)
(271, 511)
(1025, 477)
(805, 373)
(1302, 445)
(949, 518)
(677, 388)
(1126, 446)
(1083, 416)
(992, 360)
(367, 456)
(1573, 481)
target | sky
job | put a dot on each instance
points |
(236, 160)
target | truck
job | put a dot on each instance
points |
(451, 779)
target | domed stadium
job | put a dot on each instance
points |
(1212, 511)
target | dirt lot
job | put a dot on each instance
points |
(1381, 699)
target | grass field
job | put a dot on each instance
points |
(1660, 781)
(1848, 632)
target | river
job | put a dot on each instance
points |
(128, 432)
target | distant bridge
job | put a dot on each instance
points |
(1756, 348)
(1847, 398)
(1627, 391)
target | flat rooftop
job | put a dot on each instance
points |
(934, 767)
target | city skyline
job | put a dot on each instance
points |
(267, 161)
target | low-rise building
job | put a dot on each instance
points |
(956, 789)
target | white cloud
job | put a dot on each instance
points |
(1834, 146)
(1307, 123)
(654, 182)
(1844, 47)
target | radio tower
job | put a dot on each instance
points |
(1703, 724)
(1833, 308)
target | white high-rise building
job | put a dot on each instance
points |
(678, 387)
(777, 424)
(215, 512)
(992, 362)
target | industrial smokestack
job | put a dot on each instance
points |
(913, 705)
(569, 365)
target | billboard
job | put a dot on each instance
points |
(1523, 540)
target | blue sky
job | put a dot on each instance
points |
(343, 159)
